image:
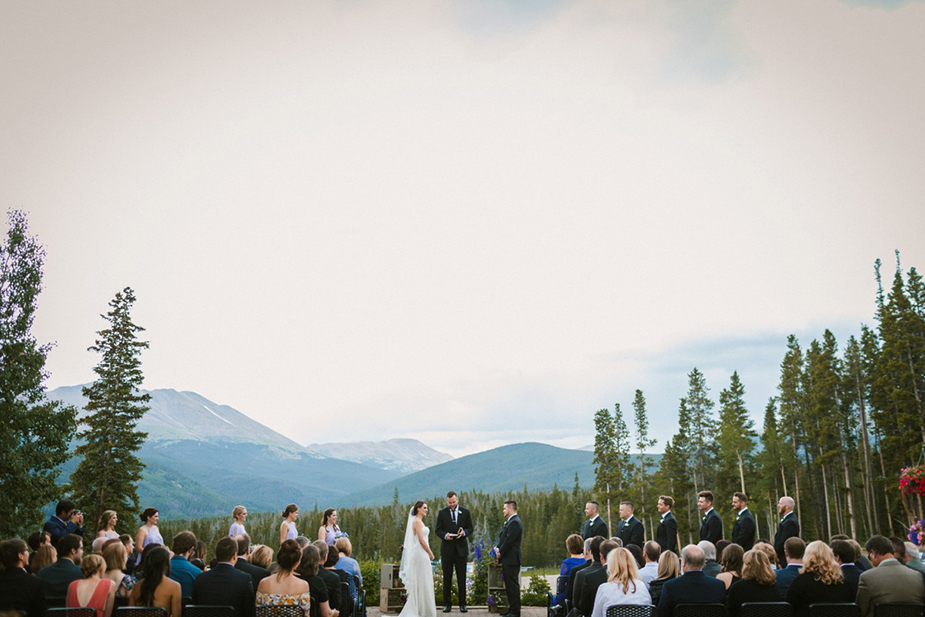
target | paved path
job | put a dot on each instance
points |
(474, 611)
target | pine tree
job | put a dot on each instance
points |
(36, 431)
(702, 429)
(643, 443)
(772, 483)
(791, 412)
(735, 439)
(108, 475)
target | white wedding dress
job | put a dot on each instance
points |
(417, 575)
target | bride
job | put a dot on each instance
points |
(415, 570)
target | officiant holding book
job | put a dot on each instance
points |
(454, 526)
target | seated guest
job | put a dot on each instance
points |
(223, 585)
(820, 580)
(692, 587)
(45, 556)
(18, 590)
(329, 578)
(758, 583)
(636, 552)
(181, 570)
(573, 546)
(573, 573)
(284, 587)
(140, 566)
(244, 552)
(651, 553)
(97, 546)
(710, 566)
(308, 572)
(346, 606)
(200, 554)
(669, 568)
(590, 579)
(348, 564)
(793, 552)
(768, 549)
(303, 541)
(116, 559)
(93, 591)
(720, 547)
(889, 580)
(623, 586)
(129, 543)
(262, 556)
(37, 540)
(859, 560)
(908, 554)
(731, 563)
(59, 575)
(844, 556)
(155, 587)
(67, 520)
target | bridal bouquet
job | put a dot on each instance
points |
(340, 534)
(912, 480)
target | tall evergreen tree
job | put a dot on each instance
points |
(735, 439)
(772, 476)
(108, 474)
(791, 412)
(643, 443)
(36, 432)
(702, 429)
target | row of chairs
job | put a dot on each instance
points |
(189, 610)
(774, 609)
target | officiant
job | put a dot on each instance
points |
(454, 526)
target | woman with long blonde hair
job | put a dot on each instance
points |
(623, 584)
(820, 580)
(669, 567)
(758, 583)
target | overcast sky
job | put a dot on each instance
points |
(468, 222)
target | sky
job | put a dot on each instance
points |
(472, 223)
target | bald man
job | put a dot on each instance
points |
(789, 526)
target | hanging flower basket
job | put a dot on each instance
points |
(916, 533)
(912, 480)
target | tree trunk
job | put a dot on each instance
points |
(828, 513)
(872, 516)
(886, 498)
(741, 472)
(850, 496)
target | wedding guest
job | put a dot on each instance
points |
(794, 548)
(330, 565)
(67, 519)
(649, 570)
(347, 563)
(94, 590)
(692, 587)
(284, 588)
(758, 583)
(844, 555)
(181, 570)
(59, 575)
(36, 540)
(156, 588)
(223, 585)
(200, 554)
(18, 590)
(720, 547)
(308, 572)
(148, 533)
(623, 586)
(820, 580)
(303, 541)
(106, 527)
(329, 577)
(287, 529)
(262, 557)
(97, 546)
(731, 561)
(239, 514)
(116, 559)
(669, 568)
(329, 529)
(45, 556)
(711, 567)
(140, 567)
(770, 553)
(129, 543)
(574, 545)
(888, 581)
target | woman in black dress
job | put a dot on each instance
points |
(757, 584)
(820, 580)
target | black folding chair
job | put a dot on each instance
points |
(279, 610)
(766, 609)
(359, 609)
(346, 601)
(834, 609)
(140, 611)
(898, 609)
(56, 602)
(207, 610)
(70, 612)
(700, 610)
(630, 611)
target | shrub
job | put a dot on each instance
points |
(537, 594)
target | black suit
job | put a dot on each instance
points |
(509, 550)
(586, 586)
(631, 531)
(454, 553)
(58, 528)
(743, 532)
(256, 573)
(20, 591)
(667, 533)
(711, 529)
(223, 585)
(572, 579)
(694, 587)
(789, 527)
(852, 576)
(597, 528)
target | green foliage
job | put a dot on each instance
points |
(36, 432)
(736, 442)
(612, 467)
(109, 472)
(537, 592)
(371, 571)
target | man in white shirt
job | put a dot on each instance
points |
(651, 551)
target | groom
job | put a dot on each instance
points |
(508, 553)
(454, 526)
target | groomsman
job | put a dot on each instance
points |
(667, 533)
(454, 526)
(789, 526)
(743, 532)
(711, 528)
(630, 529)
(595, 525)
(508, 553)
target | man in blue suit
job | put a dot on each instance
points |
(693, 587)
(793, 552)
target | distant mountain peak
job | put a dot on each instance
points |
(400, 454)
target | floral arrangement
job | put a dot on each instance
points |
(493, 600)
(912, 480)
(917, 533)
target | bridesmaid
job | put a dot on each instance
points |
(107, 525)
(329, 527)
(147, 533)
(287, 530)
(237, 527)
